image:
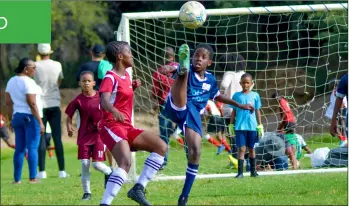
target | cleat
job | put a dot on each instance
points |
(233, 161)
(137, 193)
(182, 201)
(34, 181)
(163, 166)
(239, 176)
(86, 196)
(184, 59)
(254, 174)
(220, 149)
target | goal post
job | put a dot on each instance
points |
(273, 63)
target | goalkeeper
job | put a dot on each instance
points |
(244, 124)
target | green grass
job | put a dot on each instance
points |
(310, 189)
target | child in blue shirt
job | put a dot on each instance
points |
(187, 100)
(244, 124)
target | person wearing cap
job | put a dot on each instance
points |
(97, 55)
(270, 150)
(49, 76)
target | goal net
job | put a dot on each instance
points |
(298, 51)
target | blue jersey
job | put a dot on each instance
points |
(342, 89)
(244, 119)
(201, 90)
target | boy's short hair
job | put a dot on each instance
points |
(87, 72)
(247, 75)
(232, 62)
(275, 95)
(205, 46)
(169, 52)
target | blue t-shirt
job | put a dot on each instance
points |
(342, 89)
(201, 90)
(244, 119)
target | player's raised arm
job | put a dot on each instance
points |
(226, 100)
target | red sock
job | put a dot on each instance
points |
(50, 154)
(26, 155)
(213, 141)
(342, 138)
(226, 145)
(180, 140)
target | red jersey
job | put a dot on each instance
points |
(90, 115)
(286, 111)
(162, 83)
(121, 95)
(2, 120)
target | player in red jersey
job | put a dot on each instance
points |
(117, 131)
(89, 143)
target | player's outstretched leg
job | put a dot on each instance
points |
(85, 179)
(179, 88)
(149, 142)
(193, 140)
(122, 154)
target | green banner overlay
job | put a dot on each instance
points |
(25, 21)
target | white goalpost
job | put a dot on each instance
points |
(296, 50)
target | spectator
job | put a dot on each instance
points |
(287, 126)
(97, 55)
(340, 119)
(234, 66)
(270, 151)
(49, 76)
(342, 91)
(24, 117)
(4, 133)
(162, 82)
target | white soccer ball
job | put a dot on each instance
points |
(192, 14)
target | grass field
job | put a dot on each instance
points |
(309, 189)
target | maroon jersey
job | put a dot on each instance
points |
(121, 95)
(90, 115)
(162, 83)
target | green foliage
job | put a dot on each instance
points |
(77, 19)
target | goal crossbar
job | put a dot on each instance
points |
(242, 11)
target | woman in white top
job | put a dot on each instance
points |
(23, 112)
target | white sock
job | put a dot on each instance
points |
(85, 175)
(151, 167)
(115, 181)
(103, 168)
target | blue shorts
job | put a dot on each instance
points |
(246, 138)
(187, 116)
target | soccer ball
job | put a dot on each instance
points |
(192, 14)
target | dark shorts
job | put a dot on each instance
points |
(246, 138)
(215, 124)
(4, 133)
(290, 127)
(95, 151)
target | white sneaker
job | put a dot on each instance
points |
(63, 174)
(41, 175)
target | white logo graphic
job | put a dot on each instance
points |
(206, 87)
(5, 20)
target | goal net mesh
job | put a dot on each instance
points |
(300, 55)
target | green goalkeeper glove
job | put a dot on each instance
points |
(260, 130)
(231, 129)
